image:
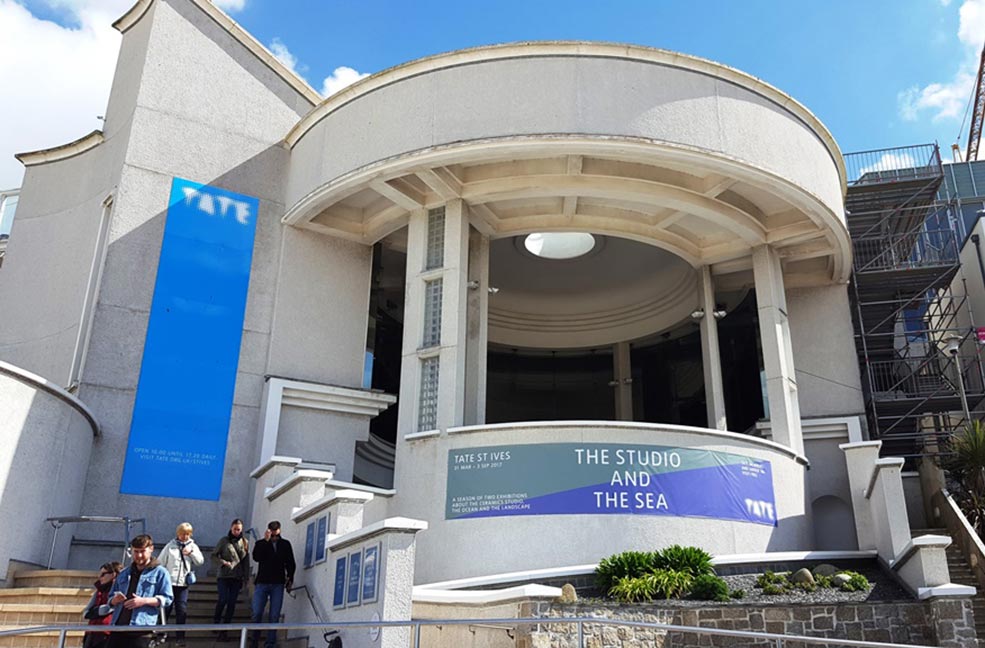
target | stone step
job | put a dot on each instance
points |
(46, 595)
(55, 578)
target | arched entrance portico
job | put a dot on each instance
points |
(736, 183)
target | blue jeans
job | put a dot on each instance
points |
(262, 592)
(179, 608)
(225, 608)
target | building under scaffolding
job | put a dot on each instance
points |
(914, 332)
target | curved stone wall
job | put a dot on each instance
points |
(44, 431)
(457, 548)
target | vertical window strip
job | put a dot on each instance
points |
(432, 313)
(436, 239)
(427, 417)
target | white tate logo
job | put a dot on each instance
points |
(209, 203)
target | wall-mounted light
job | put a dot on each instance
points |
(473, 285)
(720, 313)
(698, 314)
(493, 290)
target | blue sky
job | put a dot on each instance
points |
(877, 73)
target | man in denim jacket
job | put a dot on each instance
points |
(138, 596)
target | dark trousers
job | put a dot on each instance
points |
(228, 593)
(178, 609)
(129, 640)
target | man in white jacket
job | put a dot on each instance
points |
(180, 557)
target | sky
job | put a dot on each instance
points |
(878, 73)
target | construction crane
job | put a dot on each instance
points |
(975, 133)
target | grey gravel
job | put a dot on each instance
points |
(883, 588)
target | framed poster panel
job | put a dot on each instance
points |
(354, 578)
(338, 598)
(371, 570)
(321, 534)
(309, 545)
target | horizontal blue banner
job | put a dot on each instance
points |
(184, 400)
(608, 479)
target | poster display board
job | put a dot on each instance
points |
(181, 413)
(321, 535)
(370, 578)
(309, 545)
(355, 576)
(608, 479)
(338, 596)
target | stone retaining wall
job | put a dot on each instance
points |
(938, 622)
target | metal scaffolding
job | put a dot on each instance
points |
(913, 327)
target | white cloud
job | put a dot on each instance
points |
(279, 49)
(230, 5)
(340, 78)
(947, 100)
(55, 80)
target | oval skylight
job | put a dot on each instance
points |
(559, 245)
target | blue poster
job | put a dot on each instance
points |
(355, 575)
(608, 479)
(338, 600)
(321, 534)
(371, 557)
(180, 424)
(309, 544)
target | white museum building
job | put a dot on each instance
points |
(555, 300)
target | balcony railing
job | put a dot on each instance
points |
(899, 164)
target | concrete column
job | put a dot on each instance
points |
(622, 373)
(454, 317)
(410, 362)
(774, 334)
(711, 359)
(451, 349)
(477, 337)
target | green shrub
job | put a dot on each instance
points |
(633, 589)
(823, 581)
(856, 582)
(628, 564)
(806, 586)
(770, 578)
(694, 560)
(773, 589)
(709, 588)
(671, 583)
(737, 594)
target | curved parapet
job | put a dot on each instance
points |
(46, 431)
(675, 151)
(572, 492)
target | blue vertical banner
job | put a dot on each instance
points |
(184, 401)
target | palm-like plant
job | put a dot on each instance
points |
(967, 467)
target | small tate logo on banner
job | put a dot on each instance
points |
(217, 205)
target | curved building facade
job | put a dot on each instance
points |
(574, 297)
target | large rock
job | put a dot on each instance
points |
(802, 576)
(840, 579)
(826, 570)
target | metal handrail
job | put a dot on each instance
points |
(416, 624)
(58, 522)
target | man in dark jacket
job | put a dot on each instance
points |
(275, 572)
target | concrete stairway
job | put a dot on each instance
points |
(961, 574)
(44, 597)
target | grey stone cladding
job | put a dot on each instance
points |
(935, 622)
